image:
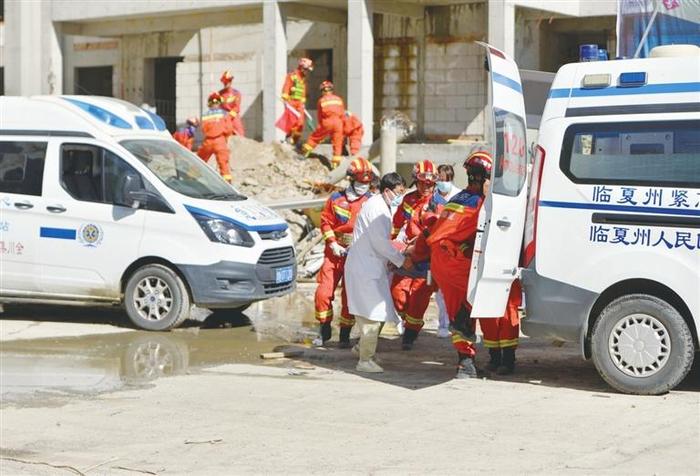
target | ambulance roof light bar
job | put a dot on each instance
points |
(595, 81)
(632, 80)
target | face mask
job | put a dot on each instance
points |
(361, 188)
(444, 187)
(396, 201)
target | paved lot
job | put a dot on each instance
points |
(83, 391)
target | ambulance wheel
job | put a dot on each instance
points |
(640, 344)
(156, 299)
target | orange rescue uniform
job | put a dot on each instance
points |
(294, 93)
(502, 333)
(185, 137)
(337, 224)
(231, 103)
(330, 111)
(216, 125)
(412, 293)
(353, 130)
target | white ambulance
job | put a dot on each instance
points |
(99, 205)
(611, 253)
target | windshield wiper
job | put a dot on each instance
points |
(223, 196)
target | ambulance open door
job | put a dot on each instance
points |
(502, 218)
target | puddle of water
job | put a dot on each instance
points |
(87, 365)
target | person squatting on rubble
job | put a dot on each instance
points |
(366, 269)
(444, 191)
(337, 222)
(330, 111)
(412, 291)
(353, 130)
(185, 135)
(449, 243)
(294, 96)
(231, 102)
(216, 126)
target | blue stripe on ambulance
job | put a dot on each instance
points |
(507, 82)
(619, 208)
(672, 88)
(58, 233)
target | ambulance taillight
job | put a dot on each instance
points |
(532, 207)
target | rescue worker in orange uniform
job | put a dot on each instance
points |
(231, 103)
(353, 130)
(337, 224)
(501, 335)
(449, 243)
(185, 135)
(294, 94)
(216, 125)
(411, 292)
(330, 111)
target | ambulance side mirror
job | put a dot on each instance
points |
(130, 192)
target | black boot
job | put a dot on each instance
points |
(409, 336)
(495, 360)
(344, 340)
(466, 368)
(326, 331)
(507, 366)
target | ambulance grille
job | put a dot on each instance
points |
(277, 288)
(277, 256)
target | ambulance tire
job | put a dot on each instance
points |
(651, 318)
(172, 290)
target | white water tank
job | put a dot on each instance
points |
(666, 51)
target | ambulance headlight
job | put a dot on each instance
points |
(221, 231)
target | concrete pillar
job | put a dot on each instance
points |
(274, 68)
(502, 25)
(33, 50)
(361, 64)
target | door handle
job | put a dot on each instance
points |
(503, 223)
(56, 208)
(24, 205)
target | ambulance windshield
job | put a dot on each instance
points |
(181, 170)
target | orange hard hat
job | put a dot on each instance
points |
(425, 171)
(479, 161)
(226, 77)
(306, 63)
(214, 98)
(360, 170)
(326, 85)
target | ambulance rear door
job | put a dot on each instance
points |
(502, 217)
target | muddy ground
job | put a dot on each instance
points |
(82, 392)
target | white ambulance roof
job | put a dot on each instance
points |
(92, 115)
(623, 87)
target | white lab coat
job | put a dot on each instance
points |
(366, 273)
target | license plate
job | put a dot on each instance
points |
(284, 275)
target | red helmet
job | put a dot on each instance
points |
(479, 163)
(425, 171)
(306, 63)
(226, 77)
(360, 170)
(214, 98)
(326, 85)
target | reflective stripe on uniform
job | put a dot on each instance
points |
(328, 234)
(413, 320)
(331, 102)
(491, 344)
(322, 315)
(344, 238)
(454, 207)
(342, 212)
(347, 321)
(508, 342)
(211, 117)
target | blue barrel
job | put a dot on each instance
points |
(588, 53)
(602, 54)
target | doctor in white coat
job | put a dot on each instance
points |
(367, 282)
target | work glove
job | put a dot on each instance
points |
(338, 250)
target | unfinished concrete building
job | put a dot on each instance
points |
(415, 56)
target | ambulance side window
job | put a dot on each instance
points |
(658, 153)
(22, 167)
(92, 174)
(510, 167)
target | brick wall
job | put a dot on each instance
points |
(455, 90)
(396, 78)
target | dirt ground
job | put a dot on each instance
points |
(82, 393)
